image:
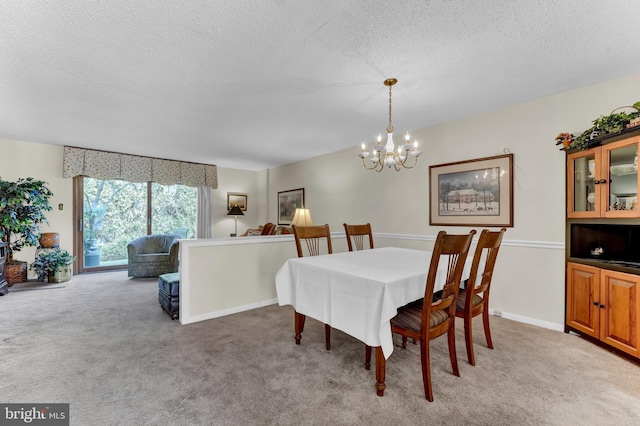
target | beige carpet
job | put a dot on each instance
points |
(104, 345)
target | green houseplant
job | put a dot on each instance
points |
(54, 265)
(22, 207)
(603, 125)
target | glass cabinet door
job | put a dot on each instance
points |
(621, 167)
(583, 178)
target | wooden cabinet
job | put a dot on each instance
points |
(604, 304)
(603, 182)
(603, 242)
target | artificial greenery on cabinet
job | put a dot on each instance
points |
(602, 126)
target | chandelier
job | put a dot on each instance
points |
(386, 155)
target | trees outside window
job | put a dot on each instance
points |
(115, 212)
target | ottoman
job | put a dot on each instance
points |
(169, 293)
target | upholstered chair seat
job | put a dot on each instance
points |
(462, 295)
(410, 317)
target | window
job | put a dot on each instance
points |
(112, 213)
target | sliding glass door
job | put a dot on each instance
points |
(112, 213)
(173, 210)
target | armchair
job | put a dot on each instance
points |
(153, 255)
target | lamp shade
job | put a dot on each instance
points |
(302, 217)
(235, 211)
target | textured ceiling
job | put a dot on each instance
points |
(254, 84)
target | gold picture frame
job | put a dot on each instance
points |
(475, 192)
(236, 199)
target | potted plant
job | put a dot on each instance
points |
(603, 125)
(564, 138)
(22, 207)
(54, 265)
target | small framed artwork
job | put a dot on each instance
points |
(235, 199)
(472, 193)
(288, 202)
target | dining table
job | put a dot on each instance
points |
(358, 292)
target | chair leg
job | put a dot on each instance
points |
(299, 325)
(367, 357)
(487, 331)
(327, 335)
(468, 339)
(404, 342)
(426, 369)
(452, 348)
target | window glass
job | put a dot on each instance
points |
(173, 210)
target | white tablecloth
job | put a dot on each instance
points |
(358, 292)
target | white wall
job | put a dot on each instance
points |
(228, 275)
(240, 181)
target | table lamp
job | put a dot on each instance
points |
(302, 217)
(235, 211)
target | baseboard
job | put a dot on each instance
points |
(261, 304)
(234, 310)
(527, 320)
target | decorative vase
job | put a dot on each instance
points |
(91, 254)
(64, 274)
(49, 240)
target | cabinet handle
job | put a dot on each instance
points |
(601, 306)
(596, 303)
(602, 181)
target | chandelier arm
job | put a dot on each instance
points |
(377, 166)
(415, 163)
(364, 163)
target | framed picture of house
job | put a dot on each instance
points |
(288, 202)
(235, 199)
(472, 193)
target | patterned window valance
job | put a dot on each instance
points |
(133, 168)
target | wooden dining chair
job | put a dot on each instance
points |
(474, 299)
(356, 236)
(425, 320)
(312, 236)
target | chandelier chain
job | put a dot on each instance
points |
(390, 126)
